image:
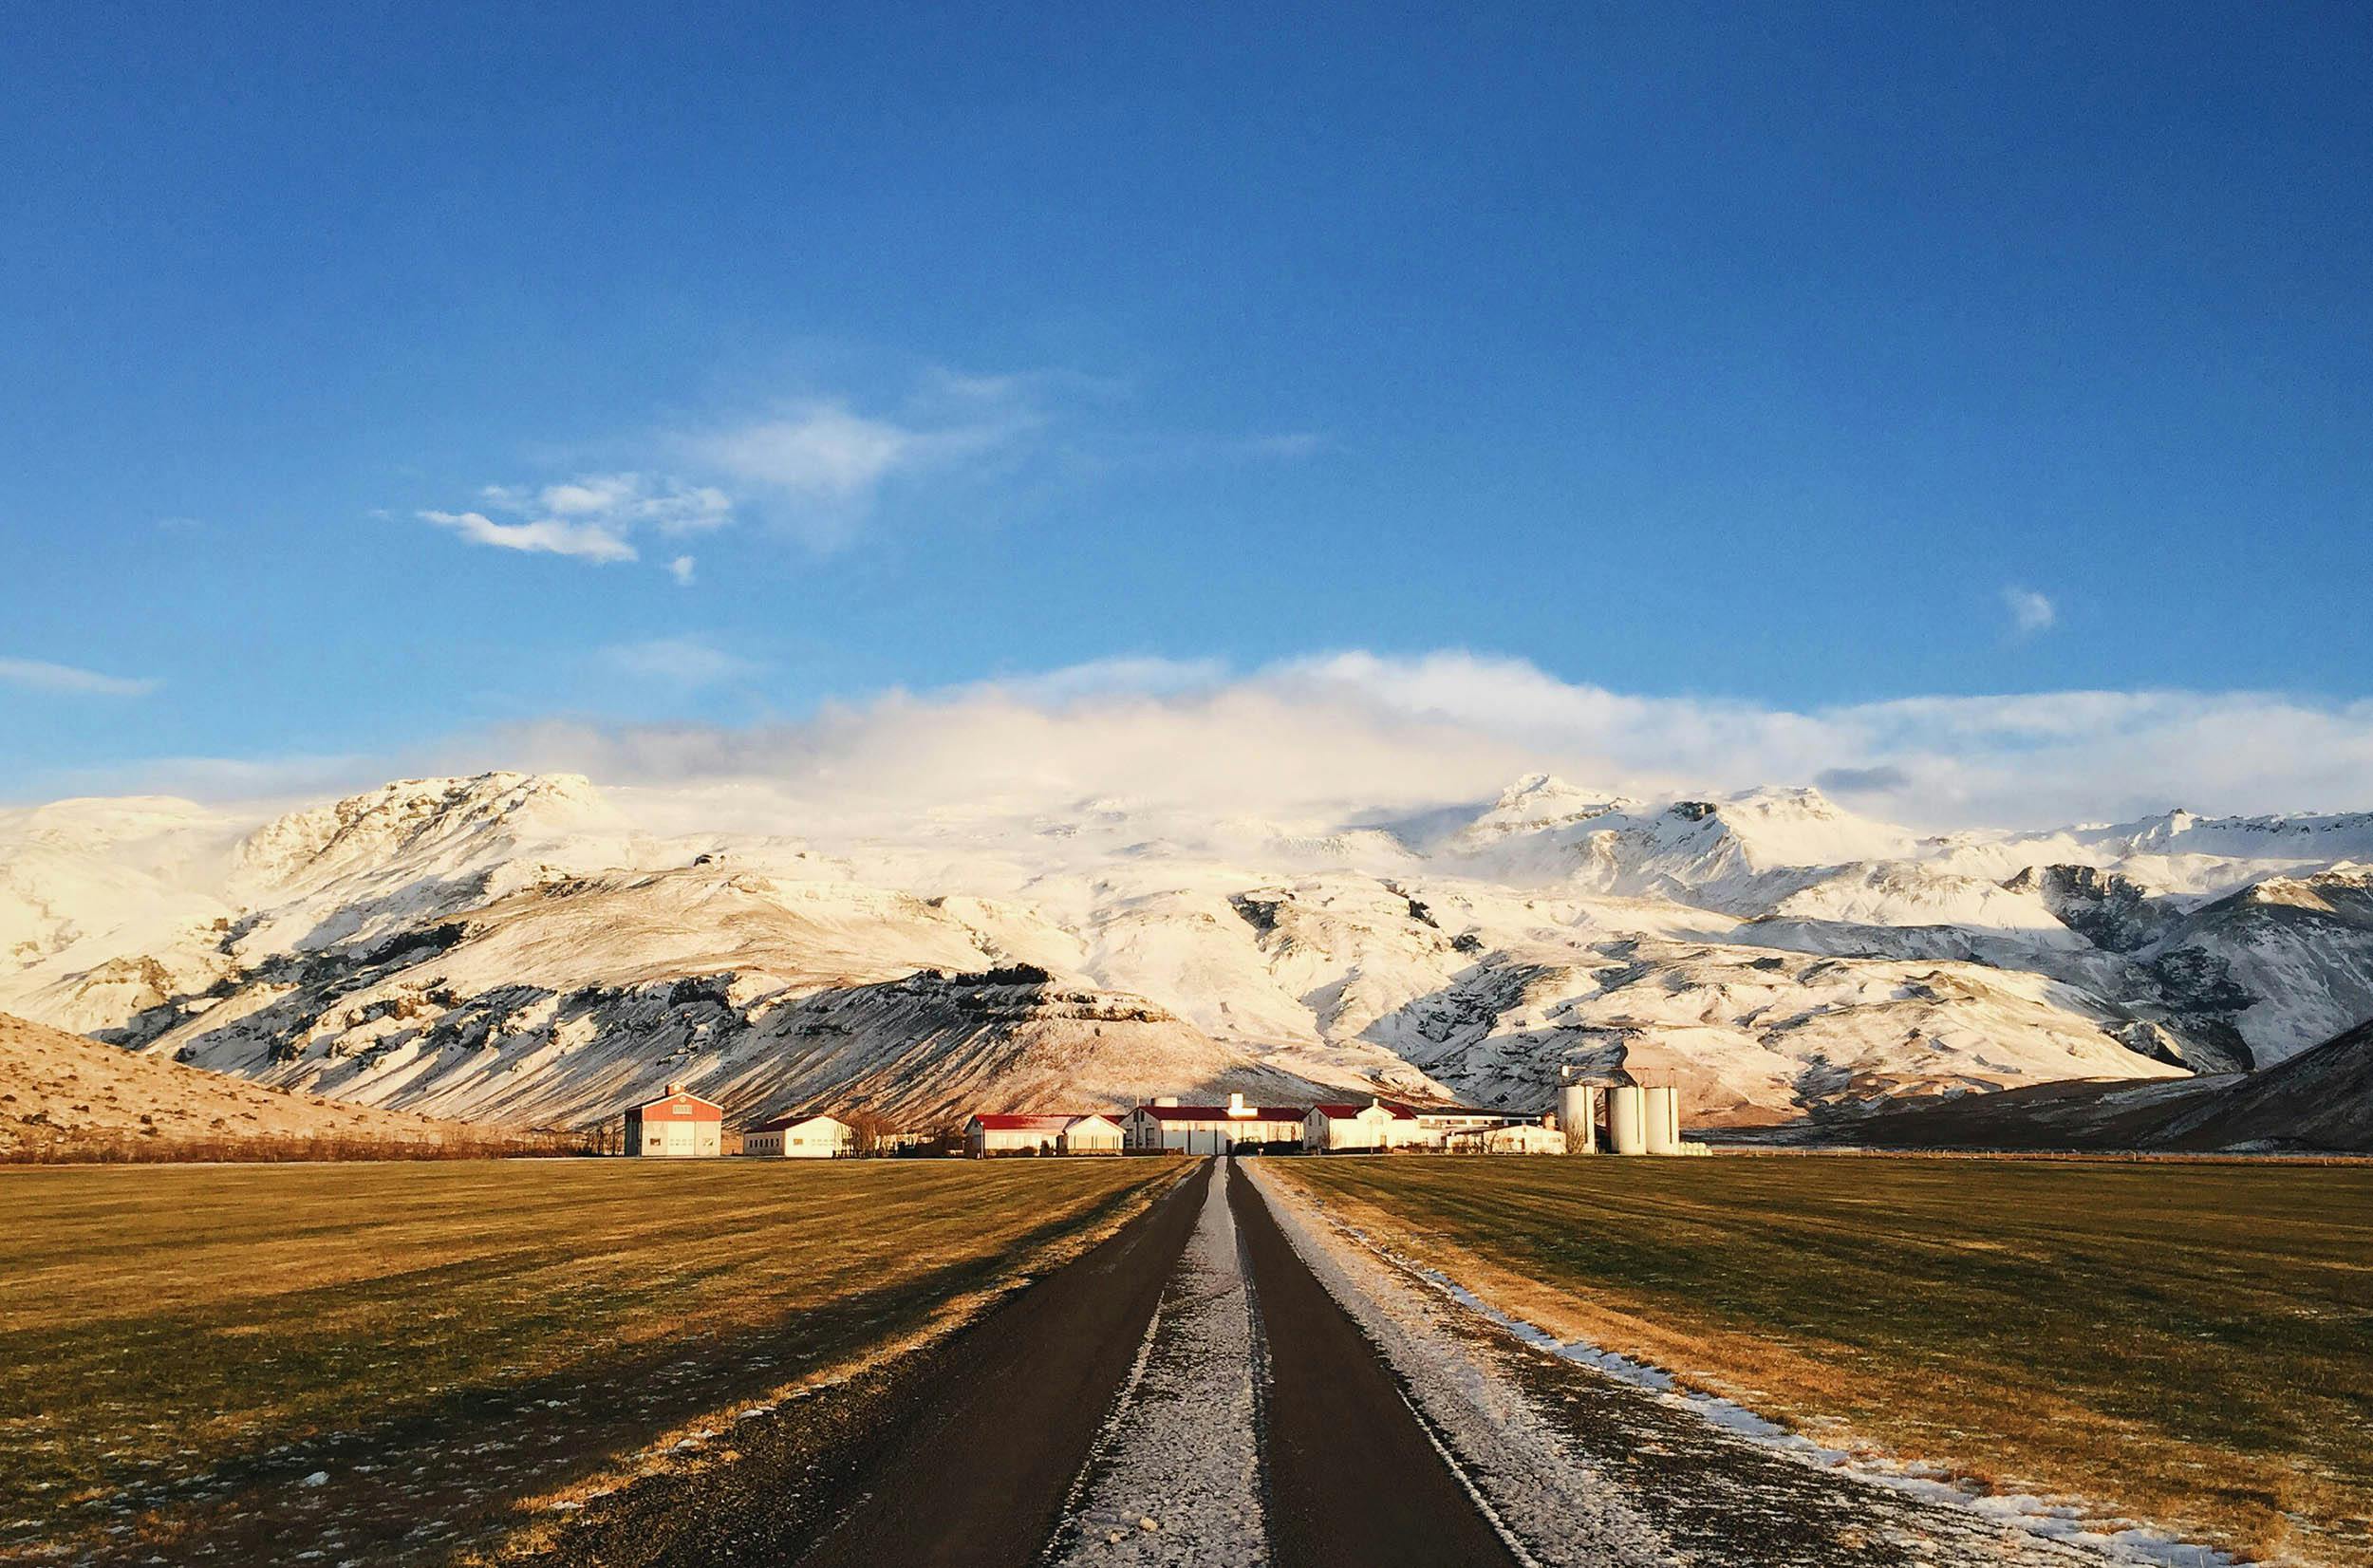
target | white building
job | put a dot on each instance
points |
(1000, 1133)
(1441, 1125)
(1165, 1124)
(1506, 1138)
(801, 1138)
(1092, 1134)
(1349, 1128)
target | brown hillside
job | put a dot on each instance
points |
(59, 1091)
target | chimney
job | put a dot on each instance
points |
(1236, 1103)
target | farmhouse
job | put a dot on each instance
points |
(678, 1126)
(1054, 1132)
(1091, 1134)
(801, 1136)
(1209, 1128)
(1376, 1125)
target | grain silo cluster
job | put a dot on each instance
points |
(1638, 1119)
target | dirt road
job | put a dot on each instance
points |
(1224, 1382)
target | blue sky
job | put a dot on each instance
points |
(1799, 361)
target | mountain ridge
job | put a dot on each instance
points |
(513, 944)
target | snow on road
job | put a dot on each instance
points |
(1175, 1475)
(1587, 1460)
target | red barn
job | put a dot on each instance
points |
(678, 1126)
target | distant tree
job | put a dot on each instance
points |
(872, 1129)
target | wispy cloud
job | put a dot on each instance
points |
(621, 502)
(820, 468)
(66, 679)
(686, 662)
(590, 517)
(681, 569)
(545, 535)
(2030, 611)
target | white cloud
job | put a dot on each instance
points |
(2030, 611)
(546, 535)
(681, 569)
(1353, 735)
(1356, 732)
(621, 502)
(65, 679)
(591, 517)
(679, 661)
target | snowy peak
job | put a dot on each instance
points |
(1536, 803)
(425, 824)
(2348, 835)
(1798, 826)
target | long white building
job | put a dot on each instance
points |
(801, 1138)
(1165, 1124)
(1054, 1132)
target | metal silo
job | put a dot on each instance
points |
(1627, 1119)
(1664, 1119)
(1577, 1117)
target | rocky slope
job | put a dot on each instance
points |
(534, 948)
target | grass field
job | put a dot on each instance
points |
(183, 1349)
(2191, 1343)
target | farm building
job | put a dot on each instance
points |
(992, 1132)
(1445, 1123)
(1505, 1138)
(1091, 1134)
(1209, 1128)
(801, 1136)
(1377, 1125)
(678, 1126)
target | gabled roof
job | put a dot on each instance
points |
(678, 1094)
(798, 1118)
(1220, 1114)
(995, 1121)
(1347, 1111)
(1109, 1120)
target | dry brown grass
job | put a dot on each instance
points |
(180, 1345)
(2191, 1344)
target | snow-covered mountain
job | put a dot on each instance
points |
(536, 948)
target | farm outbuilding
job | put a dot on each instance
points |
(678, 1125)
(1210, 1128)
(1094, 1133)
(1351, 1128)
(801, 1136)
(1506, 1138)
(996, 1132)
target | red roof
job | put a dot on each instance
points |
(704, 1107)
(1400, 1112)
(1220, 1114)
(1001, 1122)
